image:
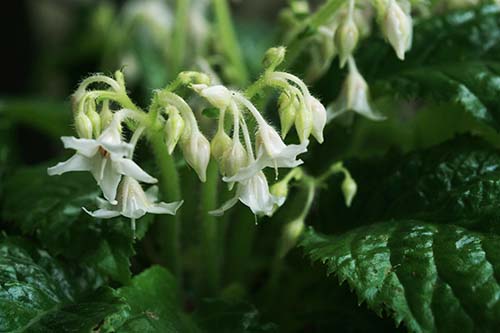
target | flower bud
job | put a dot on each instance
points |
(274, 56)
(174, 127)
(318, 113)
(196, 149)
(398, 29)
(234, 159)
(219, 96)
(106, 115)
(95, 119)
(191, 77)
(290, 236)
(303, 123)
(279, 189)
(349, 189)
(346, 39)
(83, 126)
(288, 105)
(221, 142)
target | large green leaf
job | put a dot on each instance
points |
(40, 294)
(153, 305)
(50, 208)
(422, 237)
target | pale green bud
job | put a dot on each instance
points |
(303, 123)
(279, 189)
(349, 189)
(191, 77)
(218, 95)
(95, 119)
(274, 56)
(196, 149)
(287, 108)
(174, 127)
(221, 142)
(290, 236)
(346, 39)
(106, 115)
(318, 113)
(234, 159)
(83, 126)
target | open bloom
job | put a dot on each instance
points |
(272, 152)
(104, 157)
(253, 192)
(134, 203)
(353, 97)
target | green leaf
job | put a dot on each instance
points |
(422, 237)
(432, 277)
(50, 208)
(39, 294)
(212, 113)
(153, 305)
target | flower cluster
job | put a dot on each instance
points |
(101, 149)
(242, 157)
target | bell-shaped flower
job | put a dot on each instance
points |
(353, 97)
(105, 157)
(196, 149)
(346, 39)
(319, 116)
(272, 152)
(398, 29)
(133, 202)
(254, 193)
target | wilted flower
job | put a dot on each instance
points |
(133, 202)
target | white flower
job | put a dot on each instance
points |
(218, 95)
(254, 193)
(134, 203)
(353, 97)
(319, 116)
(104, 157)
(272, 152)
(398, 28)
(196, 149)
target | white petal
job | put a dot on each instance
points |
(86, 147)
(129, 168)
(165, 208)
(102, 213)
(249, 171)
(75, 163)
(119, 149)
(255, 194)
(109, 182)
(225, 206)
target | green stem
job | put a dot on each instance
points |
(180, 35)
(170, 190)
(229, 43)
(209, 231)
(320, 17)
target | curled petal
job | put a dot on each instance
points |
(225, 206)
(109, 182)
(165, 208)
(102, 213)
(130, 168)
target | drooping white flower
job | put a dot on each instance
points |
(218, 95)
(105, 157)
(353, 97)
(398, 28)
(272, 152)
(254, 193)
(196, 149)
(319, 116)
(133, 202)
